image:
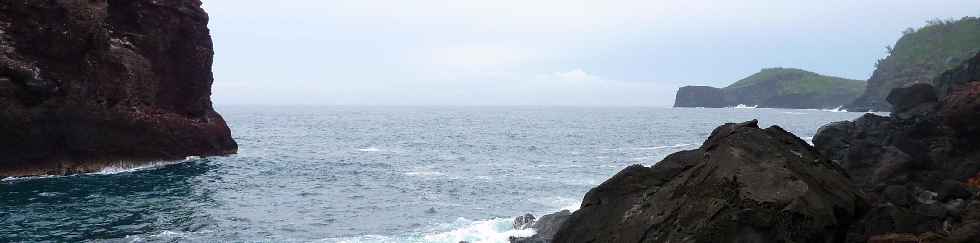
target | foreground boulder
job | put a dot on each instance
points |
(744, 184)
(915, 100)
(86, 83)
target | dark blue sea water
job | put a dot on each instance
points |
(370, 174)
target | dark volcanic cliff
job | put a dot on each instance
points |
(775, 88)
(85, 83)
(701, 96)
(918, 57)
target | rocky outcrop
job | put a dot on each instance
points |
(744, 184)
(86, 83)
(545, 228)
(918, 166)
(701, 96)
(524, 222)
(775, 88)
(913, 100)
(918, 57)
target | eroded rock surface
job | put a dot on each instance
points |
(745, 184)
(918, 166)
(86, 83)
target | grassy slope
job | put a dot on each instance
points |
(938, 46)
(800, 82)
(921, 55)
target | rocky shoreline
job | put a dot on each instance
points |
(909, 177)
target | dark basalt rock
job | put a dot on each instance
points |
(546, 227)
(524, 221)
(87, 83)
(916, 100)
(898, 195)
(744, 184)
(961, 111)
(701, 96)
(955, 78)
(927, 148)
(950, 190)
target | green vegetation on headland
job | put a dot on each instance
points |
(793, 81)
(919, 56)
(778, 88)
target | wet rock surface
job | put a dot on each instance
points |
(546, 227)
(86, 83)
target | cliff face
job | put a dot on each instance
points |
(701, 96)
(918, 57)
(84, 83)
(775, 88)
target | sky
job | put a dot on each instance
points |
(539, 52)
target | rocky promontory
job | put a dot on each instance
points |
(89, 83)
(919, 56)
(775, 88)
(913, 176)
(745, 184)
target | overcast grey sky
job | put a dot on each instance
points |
(544, 52)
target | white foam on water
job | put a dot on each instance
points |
(118, 168)
(370, 149)
(808, 140)
(497, 230)
(166, 235)
(27, 178)
(838, 109)
(680, 145)
(795, 113)
(366, 239)
(743, 106)
(128, 168)
(425, 173)
(169, 234)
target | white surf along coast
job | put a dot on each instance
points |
(112, 169)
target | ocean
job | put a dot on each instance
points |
(370, 174)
